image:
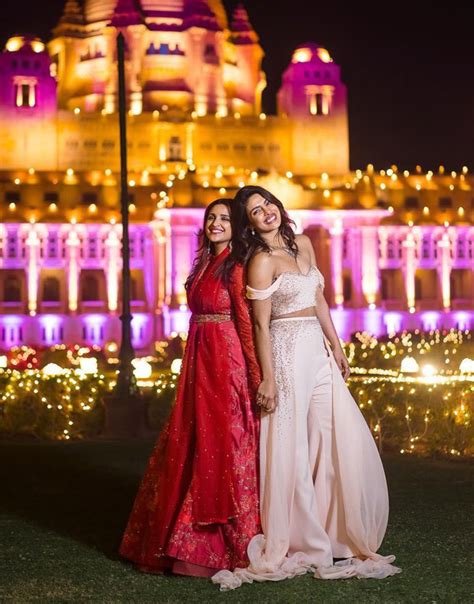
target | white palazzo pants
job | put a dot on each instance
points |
(323, 493)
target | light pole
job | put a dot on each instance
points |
(125, 409)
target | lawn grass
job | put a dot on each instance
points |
(64, 507)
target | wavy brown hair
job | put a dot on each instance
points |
(245, 241)
(204, 251)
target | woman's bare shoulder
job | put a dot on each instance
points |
(303, 241)
(261, 260)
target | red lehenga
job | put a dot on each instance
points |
(198, 500)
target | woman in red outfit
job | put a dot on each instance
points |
(197, 506)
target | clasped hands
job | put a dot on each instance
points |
(266, 395)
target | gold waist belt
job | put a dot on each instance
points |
(211, 318)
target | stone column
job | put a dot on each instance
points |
(409, 269)
(113, 263)
(445, 263)
(73, 242)
(33, 243)
(370, 264)
(337, 233)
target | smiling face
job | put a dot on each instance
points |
(264, 216)
(217, 226)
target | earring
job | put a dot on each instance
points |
(253, 232)
(230, 245)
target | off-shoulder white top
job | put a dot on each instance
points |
(290, 292)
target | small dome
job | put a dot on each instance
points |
(15, 43)
(311, 53)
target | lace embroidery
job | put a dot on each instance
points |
(286, 335)
(291, 291)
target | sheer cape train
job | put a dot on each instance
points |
(364, 503)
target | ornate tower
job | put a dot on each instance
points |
(28, 104)
(313, 96)
(205, 57)
(250, 81)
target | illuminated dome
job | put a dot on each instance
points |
(17, 42)
(308, 53)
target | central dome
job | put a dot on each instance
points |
(101, 10)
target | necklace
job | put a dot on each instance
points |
(283, 249)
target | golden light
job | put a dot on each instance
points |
(17, 181)
(312, 185)
(409, 365)
(390, 209)
(467, 366)
(77, 110)
(406, 173)
(263, 116)
(52, 207)
(289, 174)
(237, 115)
(12, 206)
(426, 211)
(52, 369)
(31, 171)
(37, 46)
(464, 169)
(88, 366)
(326, 193)
(92, 208)
(3, 361)
(70, 172)
(176, 366)
(324, 55)
(222, 191)
(142, 369)
(302, 55)
(14, 44)
(111, 347)
(428, 370)
(107, 171)
(132, 208)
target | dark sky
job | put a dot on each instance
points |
(409, 69)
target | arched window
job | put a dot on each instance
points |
(133, 289)
(51, 290)
(347, 288)
(12, 289)
(90, 289)
(175, 150)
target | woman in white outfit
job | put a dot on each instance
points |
(323, 493)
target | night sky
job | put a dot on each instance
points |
(409, 69)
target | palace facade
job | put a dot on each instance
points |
(396, 248)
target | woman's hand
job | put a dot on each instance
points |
(342, 362)
(266, 395)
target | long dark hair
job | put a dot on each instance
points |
(245, 241)
(204, 251)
